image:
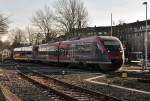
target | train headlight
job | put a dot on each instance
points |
(108, 51)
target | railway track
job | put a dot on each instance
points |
(20, 87)
(78, 79)
(61, 89)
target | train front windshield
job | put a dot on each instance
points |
(113, 46)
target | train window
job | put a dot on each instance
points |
(29, 52)
(111, 42)
(71, 51)
(84, 48)
(66, 52)
(63, 51)
(53, 51)
(88, 48)
(43, 52)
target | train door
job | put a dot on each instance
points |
(72, 52)
(35, 52)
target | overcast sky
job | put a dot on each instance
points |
(20, 11)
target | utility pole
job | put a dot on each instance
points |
(111, 24)
(145, 38)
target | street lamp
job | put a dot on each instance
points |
(145, 38)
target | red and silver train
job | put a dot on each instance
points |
(106, 52)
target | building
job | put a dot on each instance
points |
(5, 54)
(131, 34)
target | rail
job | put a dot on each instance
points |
(48, 88)
(93, 93)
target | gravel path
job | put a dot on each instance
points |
(79, 80)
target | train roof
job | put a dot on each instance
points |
(43, 45)
(92, 38)
(108, 37)
(86, 39)
(28, 48)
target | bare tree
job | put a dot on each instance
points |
(1, 44)
(17, 37)
(71, 14)
(33, 36)
(43, 19)
(3, 24)
(6, 45)
(30, 34)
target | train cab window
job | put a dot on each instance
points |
(112, 45)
